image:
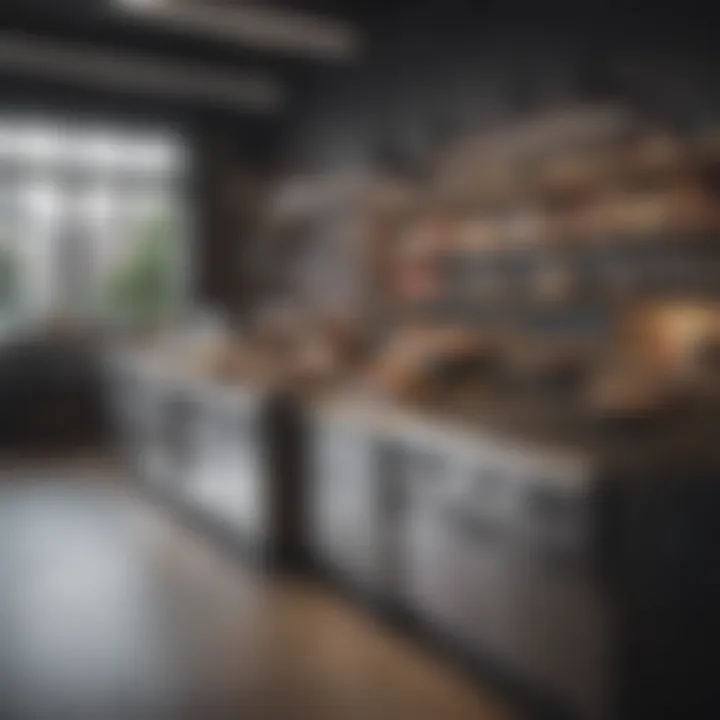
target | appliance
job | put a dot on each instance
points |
(494, 552)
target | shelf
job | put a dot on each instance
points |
(598, 245)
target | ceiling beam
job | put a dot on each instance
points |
(160, 78)
(286, 32)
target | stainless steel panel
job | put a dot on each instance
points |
(344, 504)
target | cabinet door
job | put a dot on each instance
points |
(245, 486)
(425, 558)
(124, 402)
(548, 625)
(428, 584)
(226, 476)
(151, 418)
(177, 437)
(344, 505)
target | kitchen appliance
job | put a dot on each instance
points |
(494, 551)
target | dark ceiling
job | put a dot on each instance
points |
(92, 22)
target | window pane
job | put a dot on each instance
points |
(82, 207)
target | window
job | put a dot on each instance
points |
(93, 221)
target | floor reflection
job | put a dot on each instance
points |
(110, 611)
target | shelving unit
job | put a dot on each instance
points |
(532, 239)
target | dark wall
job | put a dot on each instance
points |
(443, 68)
(232, 166)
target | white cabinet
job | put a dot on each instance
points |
(503, 569)
(226, 468)
(344, 504)
(145, 418)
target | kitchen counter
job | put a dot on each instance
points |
(224, 450)
(173, 370)
(679, 445)
(533, 543)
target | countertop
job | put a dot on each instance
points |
(678, 445)
(538, 429)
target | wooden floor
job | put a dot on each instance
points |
(110, 610)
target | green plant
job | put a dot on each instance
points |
(141, 289)
(8, 278)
